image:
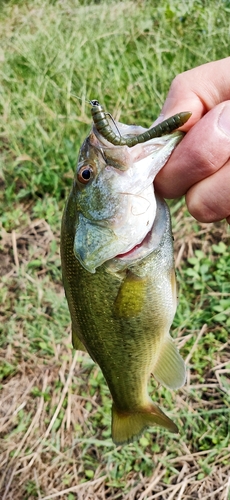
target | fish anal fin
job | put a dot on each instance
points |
(170, 368)
(129, 425)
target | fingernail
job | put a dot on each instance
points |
(224, 120)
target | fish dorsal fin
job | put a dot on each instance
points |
(170, 368)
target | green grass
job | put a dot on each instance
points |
(54, 430)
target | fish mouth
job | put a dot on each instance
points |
(91, 254)
(136, 248)
(149, 244)
(97, 242)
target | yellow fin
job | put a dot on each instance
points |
(170, 368)
(126, 426)
(130, 297)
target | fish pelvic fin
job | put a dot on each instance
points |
(170, 368)
(77, 343)
(79, 346)
(127, 426)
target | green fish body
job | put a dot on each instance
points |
(118, 275)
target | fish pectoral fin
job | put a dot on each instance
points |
(130, 298)
(170, 368)
(128, 425)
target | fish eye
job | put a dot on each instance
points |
(85, 174)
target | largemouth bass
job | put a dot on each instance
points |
(118, 274)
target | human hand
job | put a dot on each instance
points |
(199, 168)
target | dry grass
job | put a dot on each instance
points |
(42, 449)
(35, 459)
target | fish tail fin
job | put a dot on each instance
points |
(128, 425)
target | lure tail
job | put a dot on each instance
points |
(126, 425)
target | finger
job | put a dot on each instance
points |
(198, 90)
(209, 200)
(203, 151)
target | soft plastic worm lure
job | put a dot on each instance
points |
(102, 125)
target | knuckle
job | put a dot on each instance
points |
(177, 83)
(200, 208)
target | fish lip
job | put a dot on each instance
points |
(136, 247)
(150, 243)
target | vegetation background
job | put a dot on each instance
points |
(55, 406)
